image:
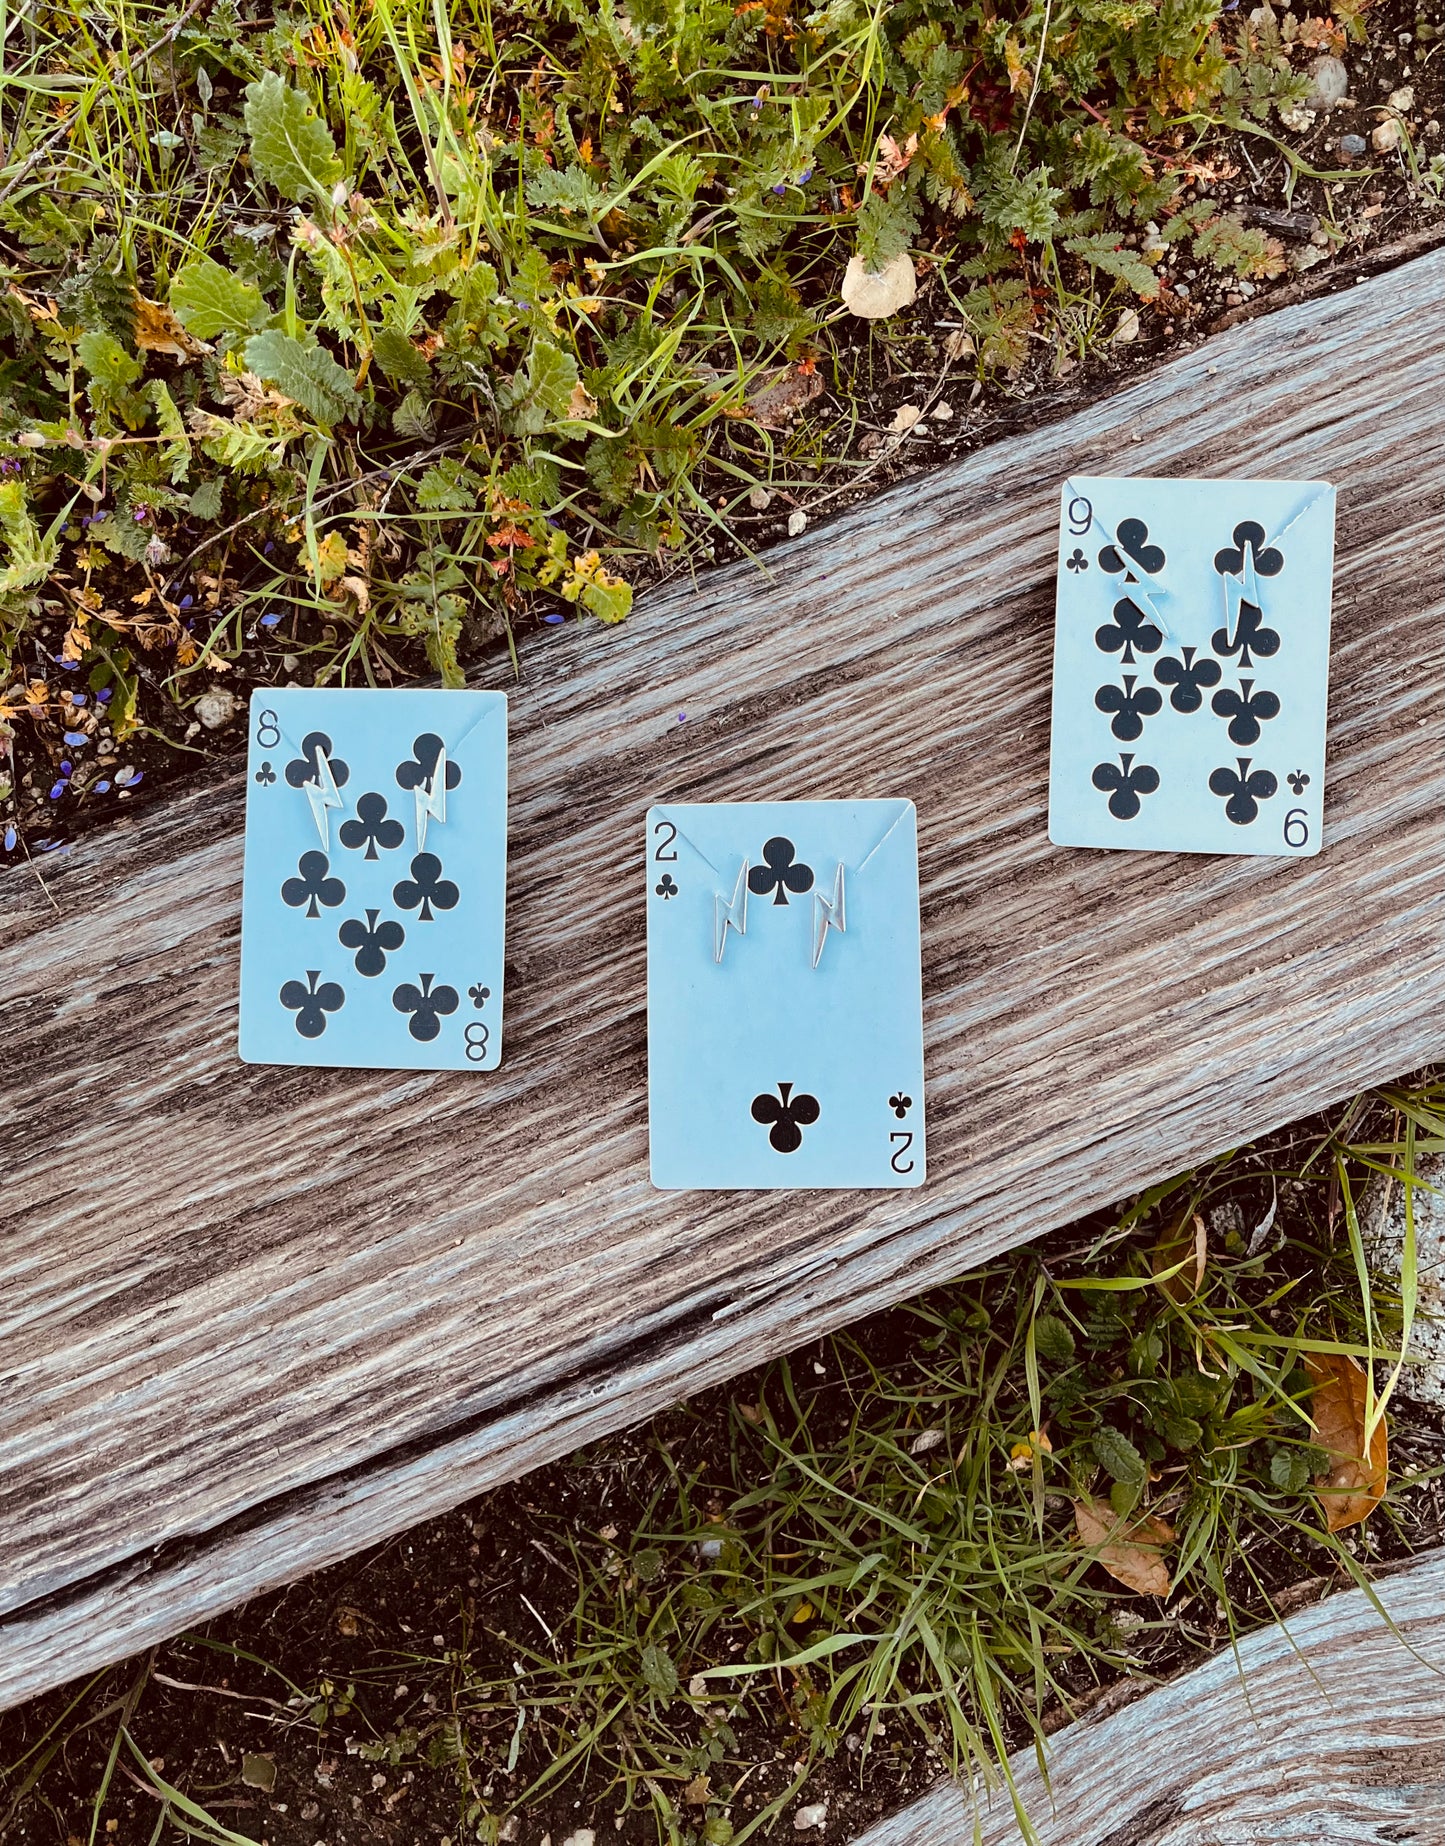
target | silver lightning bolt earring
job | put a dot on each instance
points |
(828, 914)
(323, 794)
(431, 798)
(730, 913)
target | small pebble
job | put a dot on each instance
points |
(797, 522)
(216, 707)
(813, 1816)
(1386, 137)
(1329, 83)
(1353, 147)
(1403, 100)
(759, 499)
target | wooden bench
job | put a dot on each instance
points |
(253, 1319)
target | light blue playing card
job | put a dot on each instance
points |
(784, 996)
(1191, 665)
(374, 899)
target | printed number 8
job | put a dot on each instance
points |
(1296, 828)
(266, 723)
(477, 1046)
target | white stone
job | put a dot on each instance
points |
(875, 294)
(797, 522)
(1386, 137)
(217, 707)
(810, 1817)
(1329, 83)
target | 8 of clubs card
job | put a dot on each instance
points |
(784, 995)
(375, 886)
(1191, 665)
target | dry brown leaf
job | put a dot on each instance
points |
(1130, 1550)
(1185, 1243)
(158, 331)
(579, 405)
(698, 1792)
(874, 295)
(904, 419)
(892, 159)
(1355, 1483)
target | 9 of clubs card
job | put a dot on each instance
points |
(375, 885)
(1191, 665)
(784, 996)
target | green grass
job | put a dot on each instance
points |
(478, 299)
(864, 1554)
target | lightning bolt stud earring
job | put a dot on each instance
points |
(730, 913)
(828, 914)
(323, 795)
(431, 797)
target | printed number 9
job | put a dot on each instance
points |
(477, 1037)
(1080, 515)
(268, 733)
(669, 832)
(1296, 828)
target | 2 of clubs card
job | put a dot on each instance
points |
(784, 994)
(1191, 665)
(374, 896)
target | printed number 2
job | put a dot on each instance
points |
(661, 855)
(905, 1136)
(268, 733)
(1296, 828)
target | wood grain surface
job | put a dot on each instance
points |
(253, 1319)
(1328, 1730)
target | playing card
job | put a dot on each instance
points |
(1191, 665)
(374, 897)
(784, 997)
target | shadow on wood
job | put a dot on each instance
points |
(254, 1319)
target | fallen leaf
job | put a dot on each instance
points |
(258, 1772)
(874, 295)
(904, 419)
(1131, 1551)
(698, 1792)
(580, 405)
(892, 159)
(1354, 1485)
(1186, 1241)
(957, 344)
(158, 331)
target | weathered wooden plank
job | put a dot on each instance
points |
(251, 1319)
(1328, 1729)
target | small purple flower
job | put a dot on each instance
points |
(79, 698)
(139, 515)
(270, 621)
(58, 790)
(805, 176)
(268, 548)
(186, 602)
(682, 717)
(130, 781)
(85, 519)
(105, 695)
(10, 837)
(780, 189)
(554, 618)
(67, 768)
(102, 788)
(76, 739)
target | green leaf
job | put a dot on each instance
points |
(107, 361)
(399, 359)
(176, 449)
(658, 1672)
(208, 300)
(412, 418)
(1289, 1469)
(308, 375)
(1054, 1339)
(448, 487)
(291, 147)
(1118, 1457)
(542, 392)
(31, 556)
(206, 501)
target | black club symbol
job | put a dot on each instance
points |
(1189, 678)
(371, 828)
(1268, 561)
(1246, 710)
(788, 1116)
(1125, 785)
(900, 1104)
(1243, 792)
(427, 1006)
(305, 768)
(1077, 562)
(311, 1003)
(311, 886)
(667, 888)
(1298, 781)
(1129, 629)
(418, 771)
(1129, 708)
(372, 941)
(265, 775)
(426, 887)
(779, 874)
(1251, 637)
(479, 995)
(1131, 552)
